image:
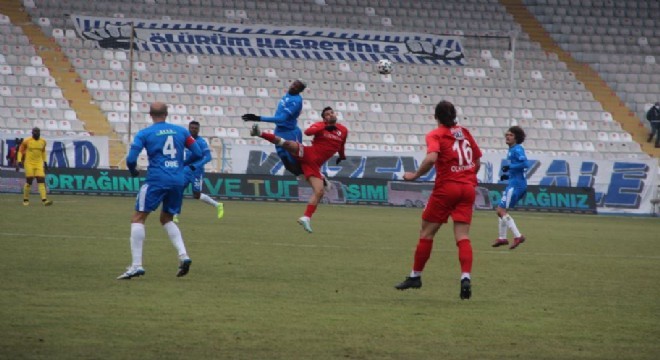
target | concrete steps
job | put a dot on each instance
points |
(73, 89)
(591, 80)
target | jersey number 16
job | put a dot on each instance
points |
(464, 151)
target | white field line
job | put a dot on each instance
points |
(325, 246)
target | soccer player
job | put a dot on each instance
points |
(286, 123)
(329, 138)
(515, 189)
(32, 156)
(194, 173)
(165, 144)
(456, 157)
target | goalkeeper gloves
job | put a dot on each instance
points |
(251, 117)
(504, 177)
(330, 127)
(339, 159)
(505, 168)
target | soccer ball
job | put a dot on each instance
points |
(384, 66)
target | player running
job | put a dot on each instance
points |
(194, 173)
(329, 138)
(165, 144)
(515, 189)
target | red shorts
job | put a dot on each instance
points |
(450, 199)
(310, 163)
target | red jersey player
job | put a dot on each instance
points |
(456, 156)
(329, 138)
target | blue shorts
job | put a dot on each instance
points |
(151, 196)
(511, 196)
(193, 177)
(293, 135)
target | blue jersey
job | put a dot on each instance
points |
(286, 124)
(165, 144)
(517, 165)
(287, 113)
(206, 156)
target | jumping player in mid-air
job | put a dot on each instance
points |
(329, 138)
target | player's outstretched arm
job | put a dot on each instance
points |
(424, 167)
(277, 120)
(251, 117)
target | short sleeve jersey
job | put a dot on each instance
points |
(165, 144)
(457, 154)
(33, 152)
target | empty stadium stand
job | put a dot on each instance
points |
(581, 95)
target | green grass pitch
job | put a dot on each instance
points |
(581, 287)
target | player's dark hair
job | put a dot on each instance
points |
(194, 122)
(445, 113)
(324, 110)
(518, 133)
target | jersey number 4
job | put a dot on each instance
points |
(169, 149)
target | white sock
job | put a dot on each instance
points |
(137, 243)
(502, 228)
(414, 274)
(207, 199)
(177, 240)
(511, 224)
(465, 275)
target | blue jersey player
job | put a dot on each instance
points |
(286, 123)
(165, 144)
(516, 188)
(194, 173)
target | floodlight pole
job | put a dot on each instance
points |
(513, 62)
(130, 82)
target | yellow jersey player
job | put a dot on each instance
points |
(32, 155)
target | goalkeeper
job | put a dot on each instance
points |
(32, 155)
(286, 123)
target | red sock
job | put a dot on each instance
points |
(465, 255)
(422, 253)
(268, 136)
(309, 211)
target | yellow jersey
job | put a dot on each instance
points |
(32, 152)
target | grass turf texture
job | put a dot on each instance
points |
(260, 287)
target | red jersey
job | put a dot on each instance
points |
(326, 143)
(457, 153)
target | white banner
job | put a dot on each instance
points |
(83, 152)
(621, 186)
(270, 41)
